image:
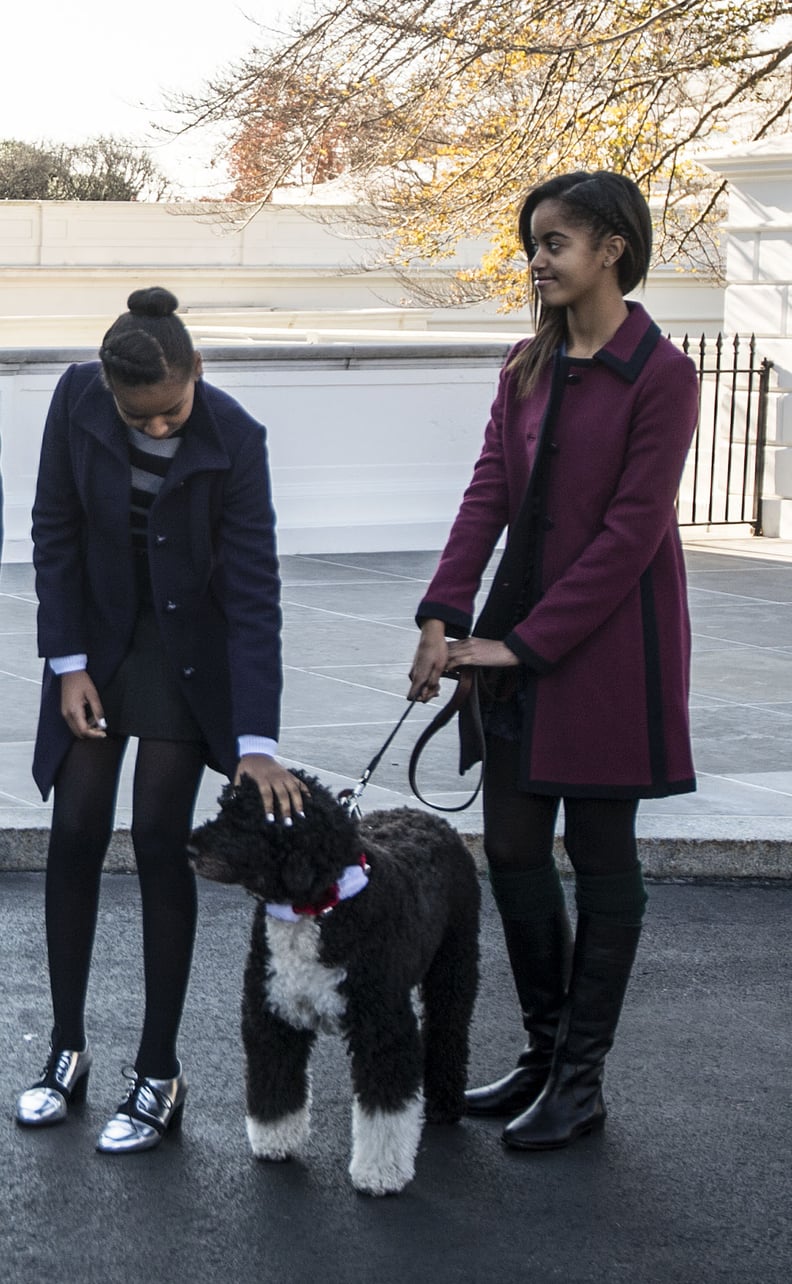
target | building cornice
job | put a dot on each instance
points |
(770, 158)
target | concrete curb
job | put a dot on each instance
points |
(704, 858)
(25, 850)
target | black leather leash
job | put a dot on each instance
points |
(466, 691)
(350, 798)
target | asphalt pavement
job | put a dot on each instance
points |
(688, 1184)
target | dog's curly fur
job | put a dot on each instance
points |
(354, 970)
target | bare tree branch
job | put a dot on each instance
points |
(439, 114)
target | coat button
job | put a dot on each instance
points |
(573, 378)
(170, 605)
(553, 447)
(188, 671)
(160, 539)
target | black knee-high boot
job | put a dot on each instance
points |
(539, 944)
(571, 1102)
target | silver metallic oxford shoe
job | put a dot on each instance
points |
(63, 1082)
(152, 1107)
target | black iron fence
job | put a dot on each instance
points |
(723, 478)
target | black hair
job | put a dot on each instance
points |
(607, 204)
(148, 343)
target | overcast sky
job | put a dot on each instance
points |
(72, 69)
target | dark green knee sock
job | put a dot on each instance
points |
(527, 894)
(619, 897)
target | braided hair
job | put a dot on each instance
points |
(607, 204)
(148, 343)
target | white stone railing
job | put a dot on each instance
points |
(370, 445)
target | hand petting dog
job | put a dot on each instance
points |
(282, 793)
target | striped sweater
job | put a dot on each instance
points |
(150, 459)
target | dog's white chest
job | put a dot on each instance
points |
(300, 988)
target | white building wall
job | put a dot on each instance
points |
(375, 409)
(758, 297)
(370, 446)
(66, 268)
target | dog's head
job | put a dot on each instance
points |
(291, 864)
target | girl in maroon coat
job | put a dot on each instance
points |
(584, 639)
(159, 617)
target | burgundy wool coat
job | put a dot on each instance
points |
(601, 621)
(212, 555)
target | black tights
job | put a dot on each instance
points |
(167, 775)
(519, 828)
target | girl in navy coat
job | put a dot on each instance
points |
(159, 617)
(584, 640)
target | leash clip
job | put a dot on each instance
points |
(350, 798)
(466, 692)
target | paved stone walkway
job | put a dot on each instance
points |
(348, 642)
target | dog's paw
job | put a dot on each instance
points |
(376, 1181)
(277, 1139)
(384, 1146)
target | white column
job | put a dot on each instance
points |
(758, 298)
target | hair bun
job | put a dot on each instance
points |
(154, 302)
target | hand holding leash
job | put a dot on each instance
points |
(483, 653)
(430, 663)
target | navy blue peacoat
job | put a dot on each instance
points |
(212, 555)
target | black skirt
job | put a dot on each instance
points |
(143, 697)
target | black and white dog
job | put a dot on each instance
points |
(354, 918)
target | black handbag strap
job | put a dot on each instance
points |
(465, 697)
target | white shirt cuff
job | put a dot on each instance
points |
(68, 663)
(256, 744)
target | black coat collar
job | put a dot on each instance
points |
(202, 447)
(632, 345)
